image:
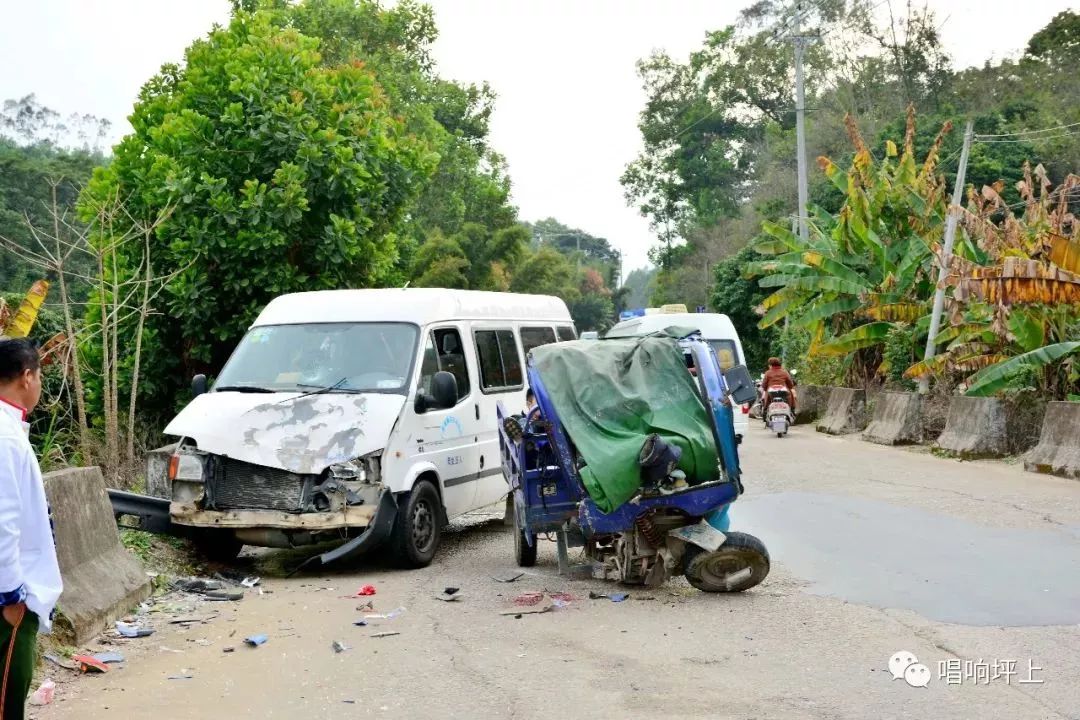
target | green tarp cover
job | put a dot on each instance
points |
(611, 394)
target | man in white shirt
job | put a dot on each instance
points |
(29, 574)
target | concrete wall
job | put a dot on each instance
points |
(1058, 451)
(845, 413)
(102, 580)
(976, 428)
(897, 419)
(812, 401)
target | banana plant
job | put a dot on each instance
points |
(21, 322)
(868, 268)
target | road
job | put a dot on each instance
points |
(875, 550)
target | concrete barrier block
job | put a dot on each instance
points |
(102, 580)
(1058, 451)
(845, 413)
(897, 419)
(977, 427)
(157, 471)
(812, 402)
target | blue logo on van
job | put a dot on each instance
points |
(447, 425)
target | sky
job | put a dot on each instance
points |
(568, 92)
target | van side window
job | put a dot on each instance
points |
(445, 352)
(565, 334)
(534, 337)
(500, 364)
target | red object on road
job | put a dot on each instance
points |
(365, 591)
(529, 599)
(90, 664)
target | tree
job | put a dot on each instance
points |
(737, 297)
(283, 175)
(639, 285)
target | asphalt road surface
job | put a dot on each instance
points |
(972, 568)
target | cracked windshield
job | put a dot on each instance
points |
(479, 359)
(344, 357)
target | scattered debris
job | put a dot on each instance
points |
(386, 616)
(364, 591)
(191, 620)
(450, 590)
(88, 663)
(108, 657)
(339, 647)
(564, 596)
(535, 610)
(613, 597)
(508, 577)
(255, 640)
(167, 649)
(385, 634)
(644, 597)
(180, 677)
(369, 605)
(447, 597)
(44, 694)
(228, 649)
(250, 582)
(224, 595)
(360, 623)
(132, 631)
(529, 598)
(60, 663)
(199, 585)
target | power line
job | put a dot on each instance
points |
(1019, 133)
(1038, 138)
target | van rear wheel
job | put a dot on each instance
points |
(416, 533)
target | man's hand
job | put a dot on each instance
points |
(13, 614)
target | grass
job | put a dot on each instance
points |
(161, 554)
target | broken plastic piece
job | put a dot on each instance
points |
(360, 623)
(450, 590)
(735, 578)
(255, 640)
(385, 634)
(507, 577)
(60, 663)
(108, 657)
(228, 649)
(250, 582)
(89, 664)
(44, 694)
(180, 677)
(224, 595)
(618, 597)
(339, 647)
(529, 598)
(447, 597)
(132, 631)
(365, 590)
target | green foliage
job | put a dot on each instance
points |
(1001, 375)
(282, 174)
(737, 297)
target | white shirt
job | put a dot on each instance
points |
(27, 549)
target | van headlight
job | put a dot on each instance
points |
(362, 469)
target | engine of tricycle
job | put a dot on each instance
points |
(645, 555)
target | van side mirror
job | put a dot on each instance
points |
(740, 385)
(198, 385)
(444, 393)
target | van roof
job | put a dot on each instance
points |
(414, 305)
(713, 326)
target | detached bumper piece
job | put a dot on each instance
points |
(375, 534)
(152, 512)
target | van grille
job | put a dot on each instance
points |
(239, 485)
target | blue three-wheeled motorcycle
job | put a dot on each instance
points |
(630, 453)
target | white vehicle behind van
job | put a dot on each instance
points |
(366, 415)
(718, 331)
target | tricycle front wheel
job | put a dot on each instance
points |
(725, 569)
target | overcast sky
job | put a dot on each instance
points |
(564, 71)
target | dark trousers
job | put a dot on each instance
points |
(17, 646)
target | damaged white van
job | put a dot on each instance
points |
(367, 416)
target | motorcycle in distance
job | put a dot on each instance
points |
(778, 415)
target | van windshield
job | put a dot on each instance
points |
(343, 357)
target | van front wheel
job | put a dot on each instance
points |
(416, 532)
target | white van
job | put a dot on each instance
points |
(718, 331)
(347, 410)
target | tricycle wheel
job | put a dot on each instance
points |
(710, 571)
(779, 434)
(524, 551)
(416, 533)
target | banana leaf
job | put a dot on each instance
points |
(996, 377)
(812, 283)
(23, 322)
(822, 309)
(861, 337)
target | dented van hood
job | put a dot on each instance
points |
(295, 432)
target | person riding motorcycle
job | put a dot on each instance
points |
(777, 376)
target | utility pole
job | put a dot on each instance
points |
(946, 254)
(800, 120)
